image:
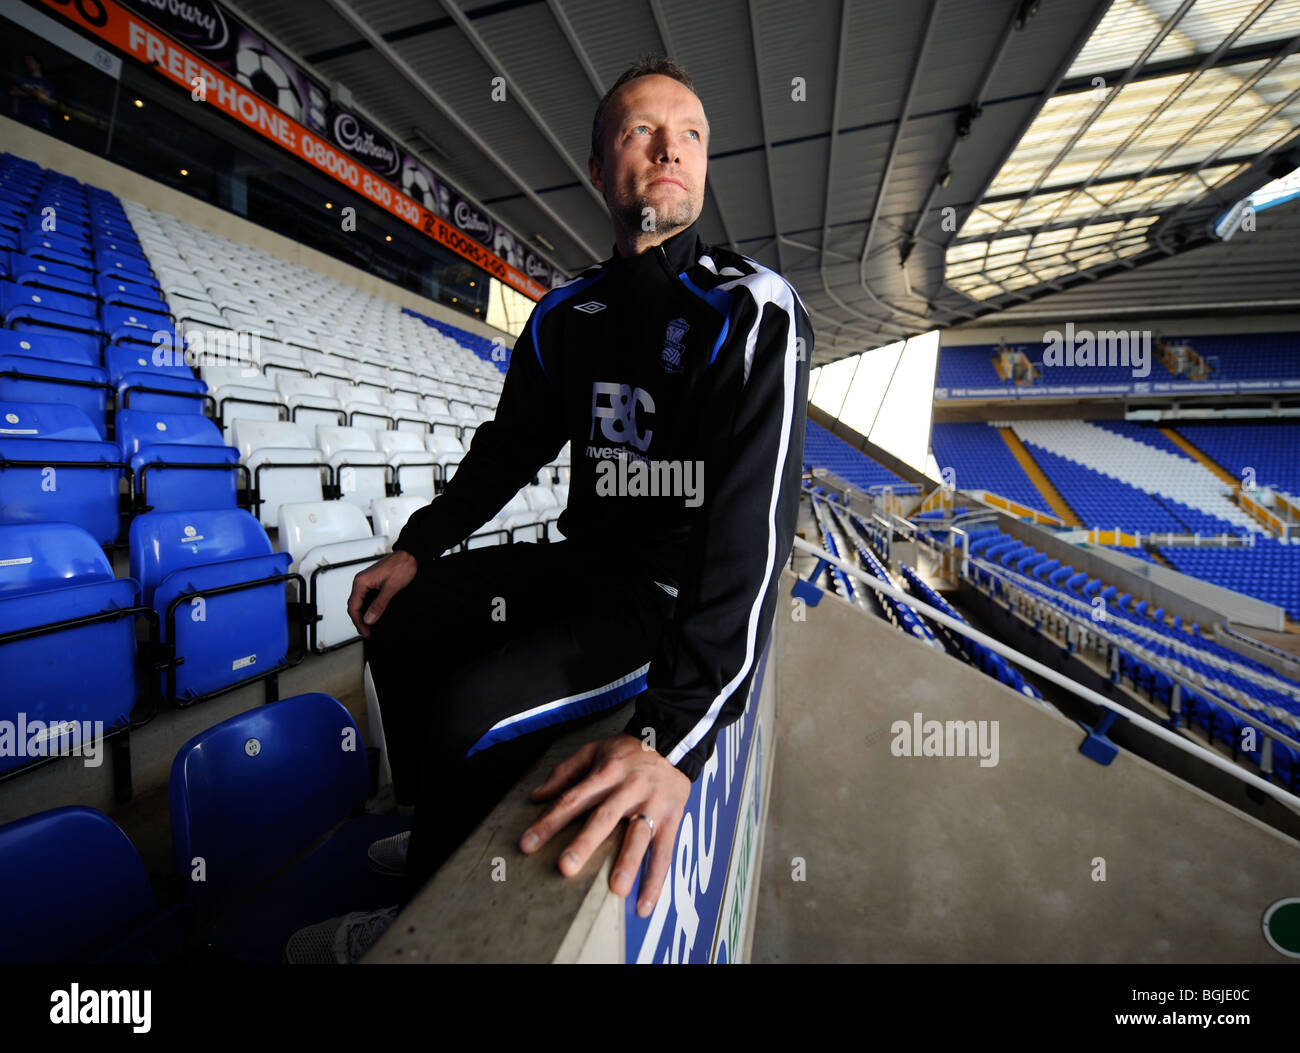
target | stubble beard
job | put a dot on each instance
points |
(666, 221)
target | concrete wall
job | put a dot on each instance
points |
(874, 857)
(45, 150)
(491, 903)
(1177, 593)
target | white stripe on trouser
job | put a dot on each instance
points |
(547, 707)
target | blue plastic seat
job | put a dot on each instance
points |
(120, 289)
(32, 265)
(1044, 569)
(226, 637)
(255, 791)
(87, 332)
(54, 245)
(46, 346)
(29, 379)
(58, 469)
(77, 287)
(122, 323)
(152, 377)
(51, 574)
(74, 889)
(124, 263)
(178, 461)
(16, 298)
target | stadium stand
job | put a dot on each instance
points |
(103, 323)
(1074, 453)
(981, 460)
(1269, 449)
(1245, 358)
(1217, 688)
(1268, 570)
(824, 450)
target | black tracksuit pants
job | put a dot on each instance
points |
(485, 659)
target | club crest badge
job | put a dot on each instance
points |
(671, 355)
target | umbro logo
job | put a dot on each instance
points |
(590, 307)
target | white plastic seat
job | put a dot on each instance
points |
(391, 513)
(322, 535)
(237, 394)
(369, 415)
(415, 468)
(404, 408)
(448, 450)
(360, 470)
(310, 400)
(435, 406)
(296, 475)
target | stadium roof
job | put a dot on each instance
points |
(950, 158)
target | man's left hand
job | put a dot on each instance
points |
(618, 778)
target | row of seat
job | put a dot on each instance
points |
(247, 797)
(852, 527)
(1146, 648)
(987, 661)
(1093, 466)
(824, 450)
(307, 320)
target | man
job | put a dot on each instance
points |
(670, 365)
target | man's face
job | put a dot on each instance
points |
(33, 66)
(656, 156)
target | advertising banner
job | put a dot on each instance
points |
(248, 79)
(701, 912)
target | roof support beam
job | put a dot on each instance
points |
(383, 48)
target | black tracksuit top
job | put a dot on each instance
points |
(685, 353)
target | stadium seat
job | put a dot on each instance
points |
(55, 468)
(249, 796)
(361, 471)
(78, 382)
(52, 574)
(330, 542)
(73, 890)
(284, 465)
(178, 461)
(310, 401)
(414, 468)
(219, 593)
(391, 513)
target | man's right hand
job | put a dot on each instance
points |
(388, 577)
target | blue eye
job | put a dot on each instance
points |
(640, 126)
(695, 133)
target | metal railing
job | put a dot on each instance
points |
(1038, 669)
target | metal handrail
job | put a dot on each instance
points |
(1025, 662)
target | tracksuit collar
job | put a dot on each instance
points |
(671, 256)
